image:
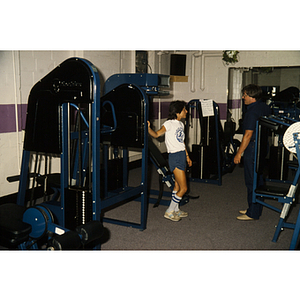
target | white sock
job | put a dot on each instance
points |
(178, 199)
(174, 205)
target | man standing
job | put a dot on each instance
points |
(255, 108)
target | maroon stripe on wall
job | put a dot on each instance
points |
(223, 111)
(234, 103)
(164, 109)
(8, 117)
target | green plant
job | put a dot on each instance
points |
(230, 56)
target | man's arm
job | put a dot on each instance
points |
(244, 144)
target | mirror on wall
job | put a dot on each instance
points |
(278, 83)
(273, 79)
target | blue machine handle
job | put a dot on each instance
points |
(82, 116)
(105, 129)
(108, 129)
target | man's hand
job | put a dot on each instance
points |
(237, 159)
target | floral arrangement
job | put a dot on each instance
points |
(230, 57)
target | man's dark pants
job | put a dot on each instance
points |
(254, 209)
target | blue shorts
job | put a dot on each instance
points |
(177, 160)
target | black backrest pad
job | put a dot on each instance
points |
(71, 82)
(156, 155)
(129, 105)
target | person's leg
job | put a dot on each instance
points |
(248, 174)
(254, 209)
(170, 213)
(180, 179)
(177, 163)
(175, 188)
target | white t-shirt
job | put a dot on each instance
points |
(174, 136)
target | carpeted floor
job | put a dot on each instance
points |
(211, 224)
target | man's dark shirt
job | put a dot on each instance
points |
(253, 113)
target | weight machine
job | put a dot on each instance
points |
(213, 156)
(153, 85)
(34, 228)
(51, 129)
(286, 103)
(284, 190)
(131, 109)
(67, 118)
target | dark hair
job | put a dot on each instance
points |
(175, 108)
(252, 90)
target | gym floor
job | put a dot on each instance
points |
(211, 224)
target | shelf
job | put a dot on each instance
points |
(174, 78)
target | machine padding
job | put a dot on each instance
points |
(90, 231)
(70, 240)
(13, 231)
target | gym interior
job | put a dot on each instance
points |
(79, 171)
(118, 181)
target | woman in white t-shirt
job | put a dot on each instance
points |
(173, 129)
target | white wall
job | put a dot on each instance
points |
(207, 79)
(211, 75)
(207, 75)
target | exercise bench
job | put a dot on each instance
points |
(283, 191)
